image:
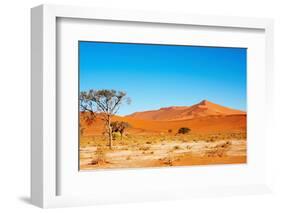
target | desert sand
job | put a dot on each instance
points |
(217, 136)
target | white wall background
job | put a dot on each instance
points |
(15, 98)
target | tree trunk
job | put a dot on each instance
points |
(109, 132)
(110, 139)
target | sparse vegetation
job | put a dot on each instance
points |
(176, 147)
(144, 148)
(218, 150)
(82, 129)
(161, 150)
(183, 130)
(99, 157)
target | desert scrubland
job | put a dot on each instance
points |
(216, 135)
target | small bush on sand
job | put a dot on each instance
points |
(218, 151)
(99, 157)
(211, 139)
(176, 147)
(144, 148)
(94, 162)
(168, 161)
(183, 130)
(82, 130)
(188, 147)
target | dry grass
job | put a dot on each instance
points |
(138, 140)
(162, 150)
(218, 150)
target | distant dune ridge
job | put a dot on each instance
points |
(202, 109)
(204, 117)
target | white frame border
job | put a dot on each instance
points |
(43, 92)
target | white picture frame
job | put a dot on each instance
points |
(44, 154)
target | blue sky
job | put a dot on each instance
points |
(156, 76)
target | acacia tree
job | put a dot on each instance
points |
(122, 126)
(119, 126)
(107, 102)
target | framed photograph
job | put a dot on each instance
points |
(179, 129)
(129, 106)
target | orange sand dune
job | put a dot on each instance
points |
(207, 124)
(202, 109)
(204, 117)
